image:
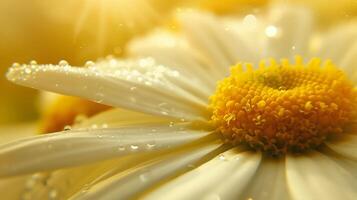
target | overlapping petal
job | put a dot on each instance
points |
(141, 85)
(81, 146)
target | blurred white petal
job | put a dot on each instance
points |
(222, 47)
(288, 31)
(338, 41)
(316, 176)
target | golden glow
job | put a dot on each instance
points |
(63, 110)
(134, 15)
(283, 107)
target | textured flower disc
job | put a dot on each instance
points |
(283, 107)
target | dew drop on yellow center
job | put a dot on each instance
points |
(283, 107)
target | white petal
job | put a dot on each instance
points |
(250, 30)
(117, 117)
(288, 31)
(67, 182)
(346, 146)
(173, 51)
(135, 181)
(269, 183)
(219, 45)
(349, 62)
(338, 41)
(78, 147)
(140, 85)
(224, 177)
(14, 187)
(316, 176)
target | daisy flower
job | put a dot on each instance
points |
(278, 124)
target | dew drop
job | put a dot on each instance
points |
(134, 147)
(28, 71)
(164, 113)
(99, 96)
(150, 145)
(250, 20)
(191, 166)
(33, 62)
(171, 124)
(121, 148)
(15, 65)
(52, 194)
(63, 63)
(67, 128)
(222, 157)
(89, 63)
(143, 177)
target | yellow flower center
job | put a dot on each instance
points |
(283, 107)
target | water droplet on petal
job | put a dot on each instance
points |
(15, 65)
(52, 194)
(171, 124)
(67, 128)
(150, 145)
(134, 147)
(33, 62)
(222, 157)
(63, 63)
(89, 63)
(28, 71)
(121, 148)
(143, 177)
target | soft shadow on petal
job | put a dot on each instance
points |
(346, 145)
(76, 147)
(288, 31)
(117, 117)
(141, 85)
(316, 176)
(134, 181)
(269, 182)
(224, 177)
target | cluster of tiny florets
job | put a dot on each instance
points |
(283, 107)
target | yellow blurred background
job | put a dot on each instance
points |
(77, 31)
